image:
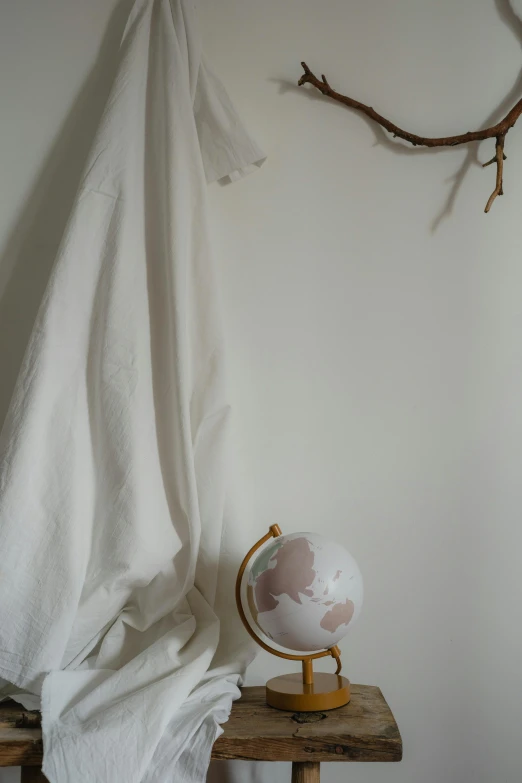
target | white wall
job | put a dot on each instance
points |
(374, 324)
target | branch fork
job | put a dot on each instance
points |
(497, 132)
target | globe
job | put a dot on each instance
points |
(304, 591)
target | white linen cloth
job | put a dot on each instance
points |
(112, 479)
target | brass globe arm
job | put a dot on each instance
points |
(306, 660)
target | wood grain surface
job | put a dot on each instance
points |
(363, 730)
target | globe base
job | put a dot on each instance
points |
(326, 692)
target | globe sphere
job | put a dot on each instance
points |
(304, 591)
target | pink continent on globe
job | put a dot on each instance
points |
(340, 614)
(293, 574)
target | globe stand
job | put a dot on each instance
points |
(298, 692)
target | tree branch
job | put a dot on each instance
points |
(497, 131)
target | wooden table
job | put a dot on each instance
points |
(363, 730)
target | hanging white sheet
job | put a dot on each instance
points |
(112, 478)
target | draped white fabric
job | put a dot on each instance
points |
(112, 479)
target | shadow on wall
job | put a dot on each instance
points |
(512, 20)
(34, 241)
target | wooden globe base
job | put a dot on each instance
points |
(326, 692)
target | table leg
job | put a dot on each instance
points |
(34, 775)
(306, 772)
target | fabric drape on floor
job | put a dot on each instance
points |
(112, 478)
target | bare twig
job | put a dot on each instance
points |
(493, 160)
(499, 155)
(497, 131)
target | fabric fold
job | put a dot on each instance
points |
(112, 483)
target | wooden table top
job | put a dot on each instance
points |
(363, 730)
